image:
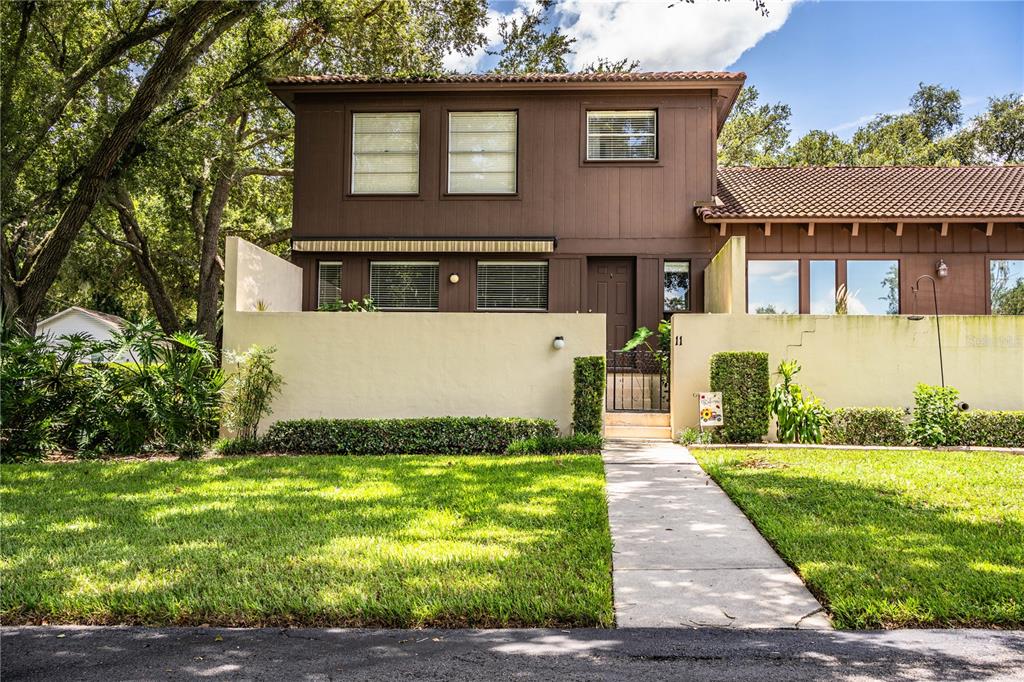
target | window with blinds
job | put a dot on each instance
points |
(482, 152)
(407, 285)
(512, 285)
(622, 135)
(386, 153)
(329, 284)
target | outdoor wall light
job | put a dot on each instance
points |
(453, 278)
(559, 343)
(941, 269)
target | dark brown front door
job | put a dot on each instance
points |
(610, 291)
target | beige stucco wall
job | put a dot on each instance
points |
(376, 365)
(725, 280)
(858, 360)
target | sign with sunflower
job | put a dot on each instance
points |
(711, 409)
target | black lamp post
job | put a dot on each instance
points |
(938, 329)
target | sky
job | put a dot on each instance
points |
(837, 64)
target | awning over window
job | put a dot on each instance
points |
(530, 245)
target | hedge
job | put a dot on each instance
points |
(865, 426)
(431, 435)
(993, 429)
(743, 379)
(589, 376)
(556, 445)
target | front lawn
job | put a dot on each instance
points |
(342, 541)
(889, 539)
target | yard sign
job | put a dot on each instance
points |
(710, 408)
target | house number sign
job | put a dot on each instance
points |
(710, 408)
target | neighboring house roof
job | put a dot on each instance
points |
(846, 192)
(601, 77)
(112, 321)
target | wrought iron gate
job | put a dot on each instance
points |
(638, 381)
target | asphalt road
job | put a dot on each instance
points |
(128, 653)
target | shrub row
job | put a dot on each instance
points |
(432, 435)
(993, 429)
(556, 445)
(865, 426)
(742, 377)
(589, 376)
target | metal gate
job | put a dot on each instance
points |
(638, 381)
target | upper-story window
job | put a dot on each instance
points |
(622, 135)
(482, 152)
(386, 153)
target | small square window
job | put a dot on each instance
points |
(622, 135)
(482, 152)
(386, 153)
(873, 287)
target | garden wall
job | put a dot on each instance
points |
(376, 365)
(863, 361)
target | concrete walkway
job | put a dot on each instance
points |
(685, 555)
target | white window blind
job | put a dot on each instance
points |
(399, 285)
(482, 152)
(386, 153)
(329, 284)
(512, 285)
(622, 135)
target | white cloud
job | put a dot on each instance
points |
(707, 35)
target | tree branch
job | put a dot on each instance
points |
(269, 172)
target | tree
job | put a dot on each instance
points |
(821, 148)
(889, 140)
(1000, 130)
(755, 134)
(527, 48)
(937, 110)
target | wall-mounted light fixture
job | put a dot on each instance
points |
(558, 343)
(453, 278)
(941, 269)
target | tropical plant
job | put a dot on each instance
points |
(799, 417)
(249, 391)
(664, 343)
(364, 305)
(937, 418)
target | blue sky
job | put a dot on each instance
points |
(835, 63)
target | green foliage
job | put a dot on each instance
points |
(937, 419)
(937, 110)
(755, 134)
(1000, 130)
(430, 435)
(692, 436)
(237, 446)
(820, 148)
(250, 390)
(366, 305)
(865, 426)
(743, 379)
(799, 418)
(580, 443)
(526, 47)
(993, 429)
(662, 352)
(589, 376)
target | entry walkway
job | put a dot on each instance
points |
(685, 555)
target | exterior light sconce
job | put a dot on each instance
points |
(941, 269)
(453, 278)
(558, 343)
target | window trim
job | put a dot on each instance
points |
(369, 283)
(689, 289)
(352, 155)
(585, 151)
(476, 287)
(444, 184)
(348, 151)
(341, 284)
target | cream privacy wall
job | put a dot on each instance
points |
(377, 365)
(259, 280)
(858, 361)
(725, 278)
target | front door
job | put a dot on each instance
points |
(610, 291)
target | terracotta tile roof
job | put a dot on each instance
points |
(869, 192)
(609, 77)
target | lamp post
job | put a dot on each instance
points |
(938, 330)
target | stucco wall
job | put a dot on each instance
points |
(255, 279)
(376, 365)
(725, 278)
(859, 360)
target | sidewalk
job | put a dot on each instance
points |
(685, 556)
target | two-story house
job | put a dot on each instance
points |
(601, 192)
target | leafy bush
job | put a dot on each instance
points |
(993, 429)
(799, 418)
(743, 379)
(366, 305)
(865, 426)
(431, 435)
(556, 445)
(937, 419)
(237, 446)
(664, 344)
(589, 376)
(692, 436)
(250, 390)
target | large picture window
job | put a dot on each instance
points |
(386, 153)
(773, 287)
(328, 290)
(482, 152)
(1006, 287)
(873, 287)
(512, 285)
(409, 285)
(622, 135)
(677, 286)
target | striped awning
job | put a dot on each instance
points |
(430, 245)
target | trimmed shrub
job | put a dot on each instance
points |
(993, 429)
(743, 379)
(937, 418)
(238, 446)
(589, 376)
(865, 426)
(556, 445)
(431, 435)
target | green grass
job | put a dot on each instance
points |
(891, 539)
(339, 541)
